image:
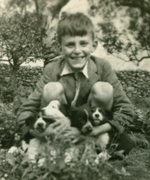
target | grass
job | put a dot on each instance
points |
(135, 166)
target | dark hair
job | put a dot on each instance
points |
(76, 24)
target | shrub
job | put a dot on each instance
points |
(7, 95)
(8, 125)
(136, 164)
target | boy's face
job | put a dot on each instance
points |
(77, 50)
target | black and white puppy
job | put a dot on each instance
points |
(123, 142)
(86, 117)
(100, 116)
(80, 118)
(48, 115)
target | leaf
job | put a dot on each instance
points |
(10, 159)
(25, 173)
(31, 176)
(125, 172)
(14, 168)
(45, 175)
(61, 163)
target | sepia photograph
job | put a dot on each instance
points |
(74, 89)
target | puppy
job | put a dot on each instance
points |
(85, 118)
(99, 117)
(36, 148)
(54, 111)
(48, 115)
(123, 143)
(80, 118)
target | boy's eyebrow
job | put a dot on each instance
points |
(84, 41)
(70, 43)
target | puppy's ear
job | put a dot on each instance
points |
(65, 109)
(108, 115)
(30, 121)
(73, 111)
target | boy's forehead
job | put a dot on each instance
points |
(69, 38)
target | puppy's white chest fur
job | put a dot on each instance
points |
(103, 140)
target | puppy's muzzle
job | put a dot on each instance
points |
(40, 125)
(96, 115)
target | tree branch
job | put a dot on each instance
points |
(143, 6)
(24, 59)
(144, 57)
(37, 9)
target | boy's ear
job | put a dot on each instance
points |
(95, 44)
(60, 49)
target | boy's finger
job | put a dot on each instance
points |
(54, 125)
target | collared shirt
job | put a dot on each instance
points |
(68, 70)
(77, 75)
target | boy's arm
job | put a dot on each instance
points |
(122, 109)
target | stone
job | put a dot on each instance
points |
(130, 89)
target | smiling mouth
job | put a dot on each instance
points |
(77, 58)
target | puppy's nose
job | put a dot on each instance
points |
(40, 124)
(97, 115)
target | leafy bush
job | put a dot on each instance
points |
(8, 125)
(7, 95)
(135, 165)
(132, 167)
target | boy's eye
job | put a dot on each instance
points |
(84, 43)
(70, 45)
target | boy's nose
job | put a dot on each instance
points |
(77, 49)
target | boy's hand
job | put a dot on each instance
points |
(60, 125)
(73, 134)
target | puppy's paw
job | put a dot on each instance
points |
(41, 162)
(103, 156)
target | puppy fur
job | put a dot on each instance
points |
(80, 118)
(86, 117)
(99, 117)
(48, 115)
(122, 141)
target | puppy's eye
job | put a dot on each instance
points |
(92, 110)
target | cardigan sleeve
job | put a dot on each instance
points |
(122, 110)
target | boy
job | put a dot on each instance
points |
(77, 78)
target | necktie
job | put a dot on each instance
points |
(77, 88)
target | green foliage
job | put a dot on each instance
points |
(8, 126)
(7, 95)
(124, 30)
(20, 37)
(136, 164)
(16, 166)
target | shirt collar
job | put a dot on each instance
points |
(67, 70)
